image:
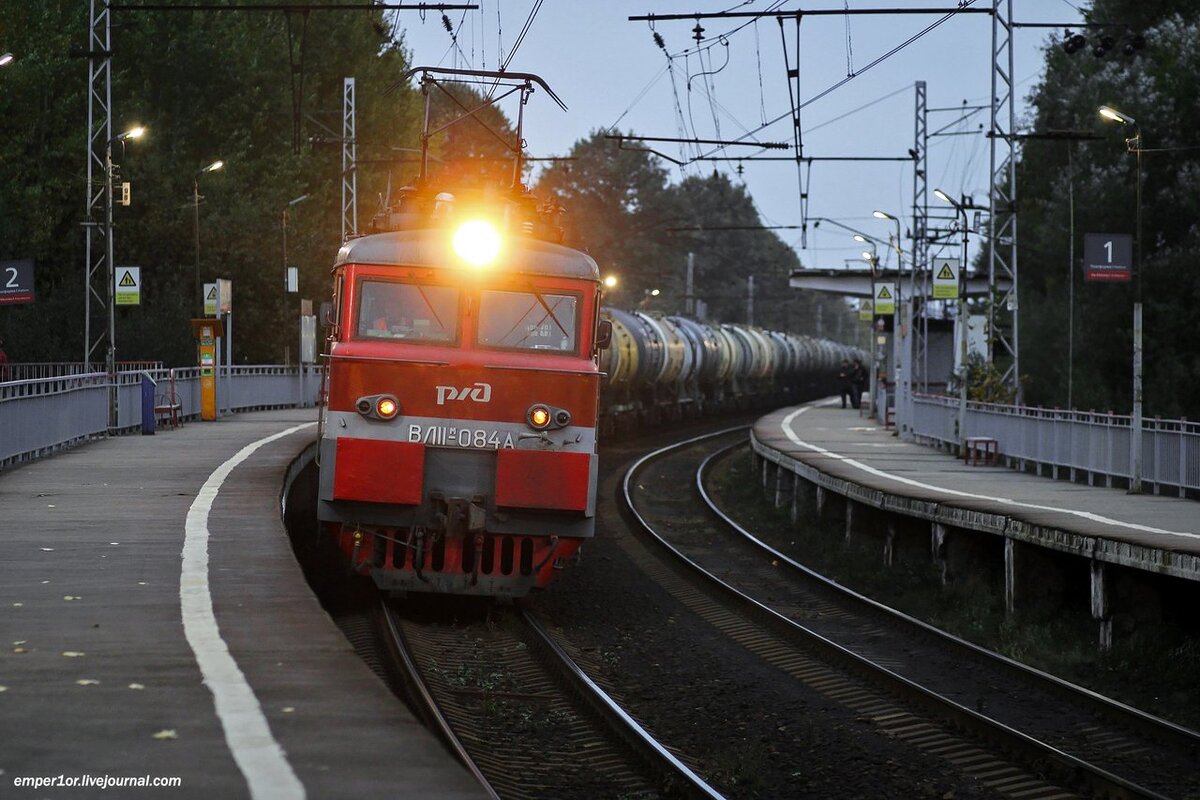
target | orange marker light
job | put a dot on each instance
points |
(539, 417)
(387, 408)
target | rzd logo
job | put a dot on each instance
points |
(480, 393)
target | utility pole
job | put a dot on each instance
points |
(689, 301)
(750, 300)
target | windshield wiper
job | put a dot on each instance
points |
(549, 311)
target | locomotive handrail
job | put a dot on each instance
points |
(528, 368)
(384, 358)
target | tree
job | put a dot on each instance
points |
(622, 209)
(206, 86)
(1157, 86)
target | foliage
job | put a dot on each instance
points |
(213, 86)
(1157, 87)
(206, 86)
(623, 210)
(985, 382)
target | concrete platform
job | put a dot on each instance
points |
(840, 451)
(257, 695)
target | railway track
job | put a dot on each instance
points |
(488, 688)
(1015, 730)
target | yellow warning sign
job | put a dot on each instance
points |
(945, 278)
(866, 310)
(885, 299)
(210, 299)
(129, 286)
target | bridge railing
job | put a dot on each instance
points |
(1094, 445)
(41, 415)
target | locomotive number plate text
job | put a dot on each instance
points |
(453, 436)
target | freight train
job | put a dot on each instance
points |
(471, 366)
(470, 370)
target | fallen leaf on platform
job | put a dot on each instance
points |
(136, 686)
(166, 734)
(88, 682)
(72, 654)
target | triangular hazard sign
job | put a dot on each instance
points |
(127, 279)
(945, 274)
(212, 294)
(884, 294)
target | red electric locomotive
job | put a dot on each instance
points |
(458, 444)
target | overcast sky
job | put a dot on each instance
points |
(609, 71)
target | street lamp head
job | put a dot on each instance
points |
(610, 281)
(882, 215)
(869, 256)
(299, 199)
(654, 292)
(858, 237)
(136, 132)
(1116, 116)
(940, 195)
(212, 167)
(6, 59)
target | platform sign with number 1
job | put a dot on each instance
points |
(1107, 257)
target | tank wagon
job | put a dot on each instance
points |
(664, 368)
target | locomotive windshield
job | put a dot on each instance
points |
(390, 310)
(529, 320)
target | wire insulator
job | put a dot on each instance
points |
(447, 24)
(658, 40)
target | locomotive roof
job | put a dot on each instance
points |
(431, 248)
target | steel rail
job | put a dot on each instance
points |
(1029, 750)
(616, 717)
(1113, 709)
(430, 707)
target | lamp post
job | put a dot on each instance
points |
(7, 59)
(284, 225)
(110, 356)
(900, 360)
(960, 316)
(196, 227)
(872, 258)
(1134, 145)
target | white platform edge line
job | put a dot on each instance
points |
(786, 425)
(258, 755)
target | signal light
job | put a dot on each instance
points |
(387, 407)
(542, 417)
(539, 417)
(378, 406)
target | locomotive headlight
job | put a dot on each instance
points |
(387, 407)
(539, 417)
(542, 417)
(477, 242)
(378, 406)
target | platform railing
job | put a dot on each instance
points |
(41, 415)
(1070, 444)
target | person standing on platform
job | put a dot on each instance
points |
(858, 377)
(846, 383)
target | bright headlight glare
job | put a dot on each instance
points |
(477, 242)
